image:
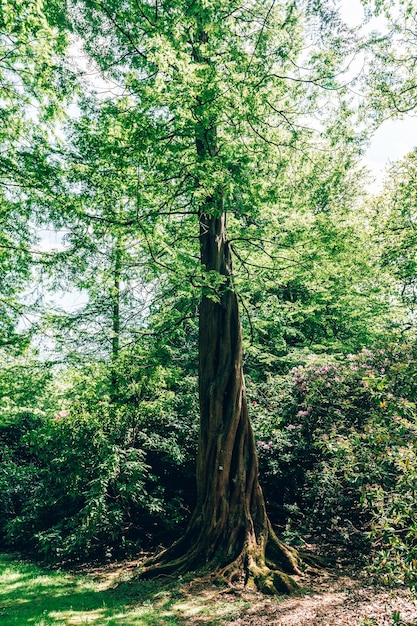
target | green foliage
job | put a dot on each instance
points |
(89, 483)
(19, 472)
(25, 381)
(393, 512)
(391, 78)
(95, 478)
(33, 84)
(209, 117)
(395, 220)
(307, 268)
(336, 439)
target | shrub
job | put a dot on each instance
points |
(337, 446)
(106, 478)
(19, 467)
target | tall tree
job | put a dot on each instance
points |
(312, 280)
(32, 84)
(220, 96)
(395, 218)
(95, 205)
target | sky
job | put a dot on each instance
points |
(394, 138)
(392, 141)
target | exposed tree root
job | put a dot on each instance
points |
(267, 565)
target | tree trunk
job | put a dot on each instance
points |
(229, 532)
(115, 300)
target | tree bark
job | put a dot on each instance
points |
(115, 300)
(229, 533)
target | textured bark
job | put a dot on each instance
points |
(115, 296)
(229, 532)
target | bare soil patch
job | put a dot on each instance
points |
(340, 596)
(334, 600)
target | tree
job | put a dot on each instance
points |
(33, 83)
(391, 77)
(219, 99)
(395, 224)
(102, 261)
(311, 279)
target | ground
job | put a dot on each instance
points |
(335, 600)
(111, 594)
(338, 596)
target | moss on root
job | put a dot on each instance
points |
(251, 568)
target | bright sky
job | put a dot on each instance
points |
(351, 11)
(395, 138)
(392, 141)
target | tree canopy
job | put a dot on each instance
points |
(216, 221)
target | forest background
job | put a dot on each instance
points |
(265, 117)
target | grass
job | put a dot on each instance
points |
(38, 596)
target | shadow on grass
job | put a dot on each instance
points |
(38, 597)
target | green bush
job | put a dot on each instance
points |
(19, 467)
(337, 446)
(337, 443)
(99, 479)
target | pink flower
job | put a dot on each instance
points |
(60, 414)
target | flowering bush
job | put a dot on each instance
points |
(336, 440)
(342, 451)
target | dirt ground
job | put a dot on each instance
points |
(340, 596)
(334, 600)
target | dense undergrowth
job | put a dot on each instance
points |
(88, 477)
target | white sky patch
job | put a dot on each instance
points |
(69, 301)
(352, 12)
(51, 240)
(391, 142)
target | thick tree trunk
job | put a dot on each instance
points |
(229, 532)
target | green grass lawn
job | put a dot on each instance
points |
(31, 595)
(38, 596)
